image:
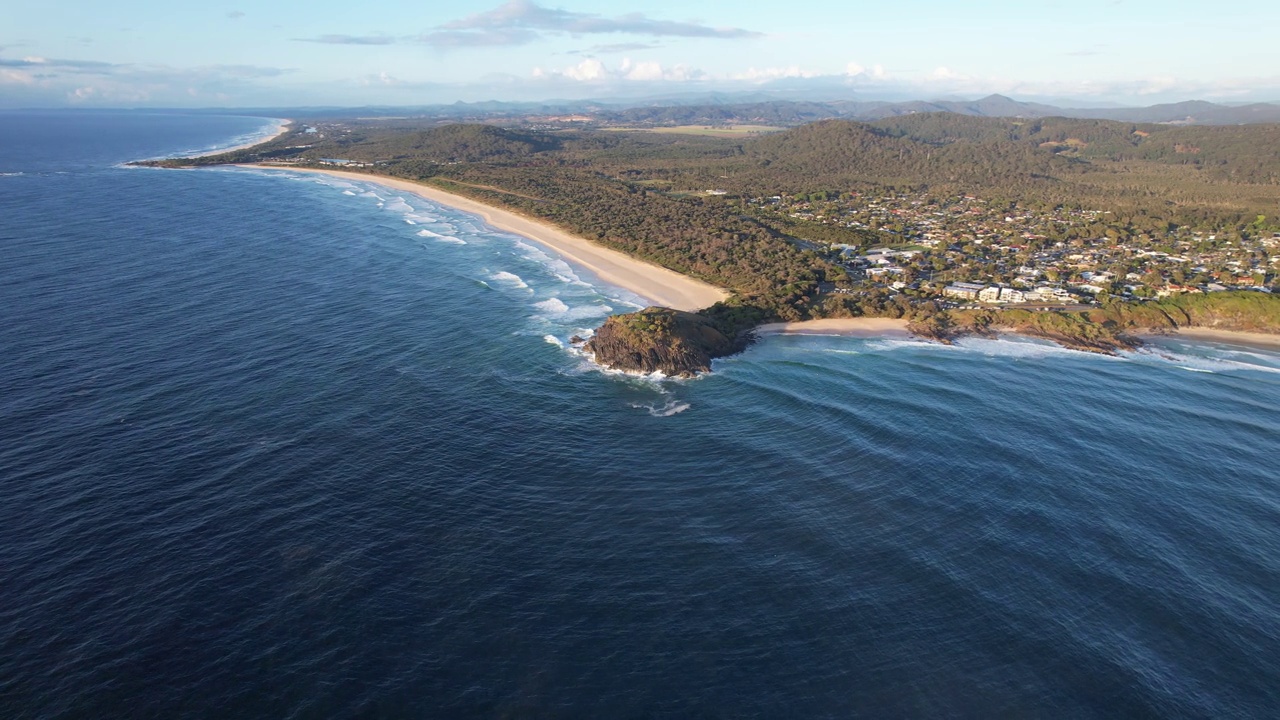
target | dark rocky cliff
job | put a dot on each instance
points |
(679, 344)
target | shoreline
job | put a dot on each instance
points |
(871, 327)
(281, 129)
(861, 327)
(1265, 341)
(654, 283)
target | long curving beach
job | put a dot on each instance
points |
(280, 130)
(652, 282)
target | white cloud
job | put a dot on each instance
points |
(16, 77)
(875, 72)
(588, 70)
(48, 81)
(531, 21)
(380, 79)
(946, 73)
(774, 73)
(520, 22)
(649, 70)
(593, 70)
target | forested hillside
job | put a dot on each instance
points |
(1244, 154)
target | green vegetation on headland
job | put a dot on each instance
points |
(1113, 212)
(660, 339)
(1112, 326)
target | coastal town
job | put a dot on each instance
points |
(967, 250)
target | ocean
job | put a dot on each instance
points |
(275, 446)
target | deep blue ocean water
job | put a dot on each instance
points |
(287, 447)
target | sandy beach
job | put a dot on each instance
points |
(652, 282)
(1264, 340)
(850, 327)
(282, 129)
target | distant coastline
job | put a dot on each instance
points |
(657, 284)
(662, 338)
(281, 129)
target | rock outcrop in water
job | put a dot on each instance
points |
(658, 339)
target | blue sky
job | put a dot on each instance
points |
(135, 53)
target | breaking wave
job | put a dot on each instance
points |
(509, 279)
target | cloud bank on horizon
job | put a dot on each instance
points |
(397, 53)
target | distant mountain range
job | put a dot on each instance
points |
(788, 112)
(1194, 112)
(761, 109)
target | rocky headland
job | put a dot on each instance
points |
(682, 344)
(657, 339)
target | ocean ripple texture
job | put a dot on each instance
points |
(275, 446)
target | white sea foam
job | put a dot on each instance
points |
(555, 306)
(585, 312)
(562, 270)
(441, 238)
(11, 174)
(1263, 357)
(1213, 361)
(1007, 346)
(509, 279)
(552, 339)
(348, 192)
(634, 301)
(653, 381)
(1018, 347)
(889, 344)
(339, 184)
(672, 407)
(398, 205)
(557, 310)
(530, 251)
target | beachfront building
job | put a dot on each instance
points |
(1011, 295)
(1048, 294)
(963, 290)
